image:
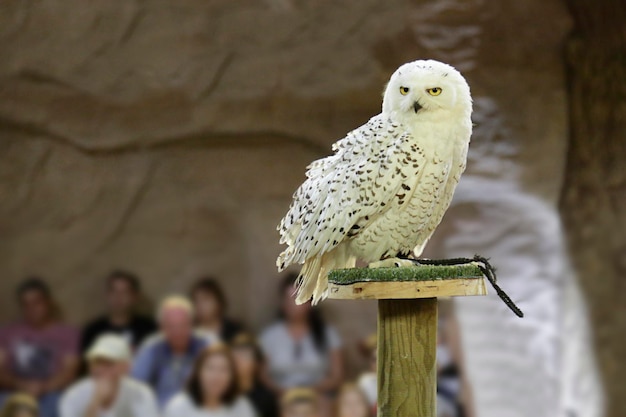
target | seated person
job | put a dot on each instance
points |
(449, 382)
(300, 348)
(367, 380)
(212, 390)
(38, 353)
(352, 402)
(20, 405)
(210, 307)
(165, 361)
(300, 402)
(107, 391)
(123, 291)
(249, 361)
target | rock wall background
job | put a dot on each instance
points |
(594, 193)
(168, 137)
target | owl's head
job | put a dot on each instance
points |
(422, 88)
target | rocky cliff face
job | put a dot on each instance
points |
(167, 137)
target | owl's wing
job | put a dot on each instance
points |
(371, 167)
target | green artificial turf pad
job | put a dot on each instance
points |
(412, 273)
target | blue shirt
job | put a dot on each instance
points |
(166, 372)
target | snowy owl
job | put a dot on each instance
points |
(388, 184)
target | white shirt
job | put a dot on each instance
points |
(182, 406)
(296, 363)
(134, 399)
(368, 384)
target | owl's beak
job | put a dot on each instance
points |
(417, 107)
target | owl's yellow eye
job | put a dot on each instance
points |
(404, 90)
(435, 91)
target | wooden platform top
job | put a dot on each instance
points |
(406, 282)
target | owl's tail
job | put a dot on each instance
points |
(313, 278)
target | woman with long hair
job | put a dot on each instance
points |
(210, 306)
(213, 388)
(250, 361)
(301, 349)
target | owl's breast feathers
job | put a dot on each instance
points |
(383, 191)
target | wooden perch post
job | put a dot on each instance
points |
(407, 327)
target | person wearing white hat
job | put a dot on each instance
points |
(108, 391)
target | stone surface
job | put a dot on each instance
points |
(168, 137)
(593, 201)
(543, 364)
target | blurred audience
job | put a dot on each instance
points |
(301, 349)
(210, 307)
(108, 391)
(212, 390)
(249, 361)
(20, 405)
(352, 402)
(300, 402)
(123, 291)
(38, 353)
(182, 368)
(367, 380)
(165, 361)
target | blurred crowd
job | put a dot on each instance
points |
(188, 359)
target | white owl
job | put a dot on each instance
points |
(389, 183)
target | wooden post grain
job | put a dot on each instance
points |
(407, 369)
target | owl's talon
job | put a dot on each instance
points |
(392, 263)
